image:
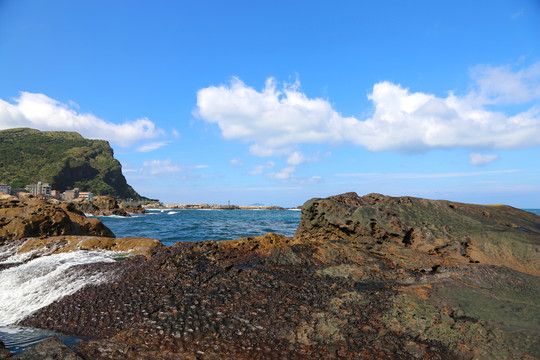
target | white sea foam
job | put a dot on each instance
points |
(8, 251)
(39, 282)
(20, 258)
(114, 216)
(172, 212)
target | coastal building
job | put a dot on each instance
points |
(56, 194)
(85, 195)
(5, 188)
(40, 188)
(70, 194)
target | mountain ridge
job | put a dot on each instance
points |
(64, 159)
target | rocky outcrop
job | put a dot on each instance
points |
(100, 206)
(133, 209)
(60, 244)
(370, 277)
(411, 228)
(52, 348)
(4, 353)
(35, 218)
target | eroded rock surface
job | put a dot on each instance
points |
(369, 277)
(100, 206)
(52, 348)
(33, 218)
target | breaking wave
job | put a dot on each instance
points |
(28, 287)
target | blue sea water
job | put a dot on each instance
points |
(534, 211)
(171, 226)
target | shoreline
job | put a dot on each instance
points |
(170, 206)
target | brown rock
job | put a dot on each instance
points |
(134, 209)
(100, 206)
(61, 244)
(370, 277)
(32, 218)
(446, 230)
(52, 348)
(4, 353)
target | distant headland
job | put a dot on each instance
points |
(63, 160)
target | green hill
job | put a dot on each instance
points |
(64, 159)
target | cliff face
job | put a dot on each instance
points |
(66, 160)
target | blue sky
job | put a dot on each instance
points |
(277, 102)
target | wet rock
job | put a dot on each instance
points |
(132, 209)
(4, 353)
(60, 244)
(52, 348)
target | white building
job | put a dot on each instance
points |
(40, 188)
(85, 195)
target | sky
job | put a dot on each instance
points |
(277, 102)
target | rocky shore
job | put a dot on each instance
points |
(106, 206)
(371, 277)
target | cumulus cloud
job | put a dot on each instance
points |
(279, 118)
(259, 169)
(287, 174)
(167, 167)
(237, 162)
(297, 158)
(500, 84)
(41, 112)
(479, 159)
(152, 146)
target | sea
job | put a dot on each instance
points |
(171, 226)
(29, 285)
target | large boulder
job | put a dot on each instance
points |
(34, 218)
(100, 206)
(467, 233)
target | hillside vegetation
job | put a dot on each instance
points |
(66, 160)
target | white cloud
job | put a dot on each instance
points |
(152, 146)
(297, 158)
(284, 174)
(43, 113)
(479, 159)
(499, 84)
(259, 169)
(237, 162)
(287, 175)
(277, 119)
(158, 167)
